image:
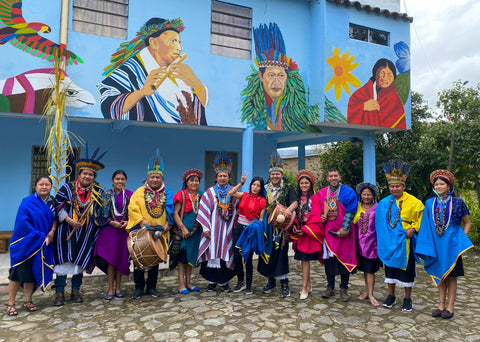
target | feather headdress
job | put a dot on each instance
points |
(270, 48)
(129, 49)
(276, 163)
(92, 163)
(155, 163)
(222, 163)
(396, 171)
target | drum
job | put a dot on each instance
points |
(281, 217)
(145, 251)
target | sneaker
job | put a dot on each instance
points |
(211, 287)
(137, 293)
(240, 287)
(248, 290)
(226, 288)
(59, 299)
(389, 302)
(76, 297)
(407, 305)
(328, 293)
(344, 295)
(285, 290)
(271, 285)
(153, 292)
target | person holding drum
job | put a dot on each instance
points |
(251, 208)
(151, 208)
(186, 232)
(78, 205)
(336, 206)
(307, 240)
(274, 262)
(217, 215)
(111, 252)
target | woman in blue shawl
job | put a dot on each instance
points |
(31, 257)
(442, 241)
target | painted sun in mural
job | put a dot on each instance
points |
(342, 65)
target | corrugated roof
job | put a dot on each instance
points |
(376, 10)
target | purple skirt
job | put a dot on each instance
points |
(112, 247)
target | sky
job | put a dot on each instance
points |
(445, 44)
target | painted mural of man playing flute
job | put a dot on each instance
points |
(147, 80)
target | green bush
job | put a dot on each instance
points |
(472, 204)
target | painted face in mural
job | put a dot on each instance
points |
(274, 80)
(166, 47)
(384, 77)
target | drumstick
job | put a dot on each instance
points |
(179, 59)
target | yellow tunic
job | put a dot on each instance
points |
(411, 214)
(137, 211)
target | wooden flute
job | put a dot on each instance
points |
(179, 59)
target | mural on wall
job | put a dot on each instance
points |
(29, 91)
(275, 96)
(380, 101)
(148, 81)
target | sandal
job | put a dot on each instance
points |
(109, 297)
(11, 310)
(119, 295)
(30, 306)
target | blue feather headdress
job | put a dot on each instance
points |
(92, 163)
(222, 163)
(276, 162)
(396, 171)
(270, 48)
(155, 164)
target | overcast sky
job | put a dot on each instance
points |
(445, 44)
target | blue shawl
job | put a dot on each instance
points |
(34, 221)
(252, 240)
(440, 253)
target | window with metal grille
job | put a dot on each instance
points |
(40, 164)
(231, 30)
(101, 17)
(370, 35)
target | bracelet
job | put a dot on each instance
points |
(198, 90)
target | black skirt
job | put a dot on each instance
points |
(404, 276)
(306, 256)
(335, 267)
(457, 270)
(368, 265)
(278, 264)
(23, 273)
(220, 275)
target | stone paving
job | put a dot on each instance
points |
(218, 316)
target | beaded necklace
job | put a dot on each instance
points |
(390, 213)
(445, 205)
(113, 208)
(224, 205)
(332, 202)
(194, 197)
(155, 203)
(222, 201)
(303, 209)
(79, 205)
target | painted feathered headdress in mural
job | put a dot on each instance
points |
(25, 36)
(296, 114)
(270, 48)
(131, 48)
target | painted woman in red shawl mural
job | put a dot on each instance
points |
(377, 102)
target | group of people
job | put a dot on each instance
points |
(220, 229)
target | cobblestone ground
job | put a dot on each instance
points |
(218, 316)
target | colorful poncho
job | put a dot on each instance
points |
(34, 221)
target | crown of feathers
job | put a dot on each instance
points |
(442, 173)
(396, 171)
(365, 185)
(129, 49)
(155, 163)
(276, 162)
(92, 163)
(306, 173)
(222, 163)
(270, 48)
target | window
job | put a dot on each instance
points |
(101, 17)
(40, 164)
(231, 30)
(210, 175)
(370, 35)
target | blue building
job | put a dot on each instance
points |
(322, 59)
